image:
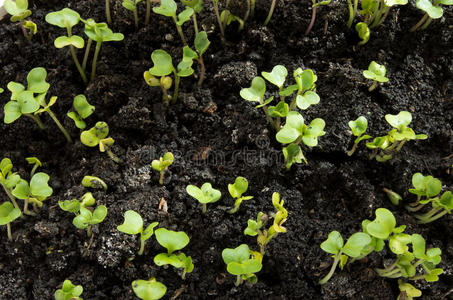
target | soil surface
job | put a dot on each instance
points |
(217, 136)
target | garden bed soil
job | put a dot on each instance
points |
(217, 136)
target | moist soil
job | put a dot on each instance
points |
(217, 136)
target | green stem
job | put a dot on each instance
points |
(113, 156)
(387, 10)
(87, 52)
(419, 23)
(148, 11)
(400, 145)
(373, 86)
(216, 10)
(142, 246)
(350, 152)
(10, 236)
(89, 232)
(136, 17)
(414, 209)
(271, 11)
(33, 170)
(175, 93)
(162, 176)
(165, 97)
(238, 280)
(252, 9)
(95, 59)
(332, 269)
(195, 23)
(11, 197)
(37, 120)
(107, 12)
(430, 216)
(66, 134)
(179, 29)
(234, 209)
(378, 15)
(247, 12)
(203, 209)
(428, 21)
(351, 14)
(26, 210)
(202, 70)
(268, 117)
(76, 61)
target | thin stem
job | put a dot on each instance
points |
(332, 269)
(234, 209)
(179, 29)
(95, 59)
(278, 121)
(162, 177)
(419, 23)
(216, 10)
(148, 11)
(373, 86)
(247, 12)
(351, 14)
(136, 17)
(142, 247)
(202, 70)
(165, 97)
(271, 11)
(175, 93)
(107, 12)
(11, 197)
(66, 134)
(350, 152)
(76, 61)
(414, 209)
(87, 52)
(377, 15)
(26, 210)
(37, 120)
(400, 145)
(89, 232)
(385, 16)
(35, 167)
(312, 22)
(113, 156)
(252, 9)
(238, 280)
(195, 23)
(426, 23)
(10, 236)
(203, 209)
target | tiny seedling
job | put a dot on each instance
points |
(148, 289)
(314, 6)
(265, 236)
(8, 213)
(207, 194)
(36, 192)
(242, 263)
(173, 241)
(133, 224)
(358, 127)
(394, 197)
(375, 72)
(432, 10)
(227, 18)
(97, 135)
(168, 8)
(197, 6)
(94, 182)
(74, 205)
(69, 291)
(85, 218)
(426, 188)
(440, 207)
(36, 164)
(352, 11)
(407, 291)
(376, 12)
(201, 45)
(363, 31)
(236, 190)
(19, 12)
(83, 110)
(161, 165)
(132, 6)
(8, 180)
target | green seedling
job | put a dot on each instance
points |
(148, 289)
(133, 224)
(440, 207)
(8, 213)
(432, 10)
(173, 241)
(97, 136)
(132, 6)
(163, 66)
(426, 188)
(277, 77)
(162, 165)
(407, 291)
(226, 17)
(314, 6)
(74, 205)
(36, 192)
(8, 180)
(352, 11)
(341, 251)
(363, 31)
(69, 291)
(36, 164)
(219, 20)
(31, 102)
(168, 8)
(19, 12)
(201, 45)
(265, 236)
(83, 110)
(376, 11)
(94, 182)
(85, 218)
(375, 72)
(207, 194)
(270, 13)
(197, 6)
(236, 190)
(358, 127)
(242, 263)
(108, 14)
(68, 18)
(394, 197)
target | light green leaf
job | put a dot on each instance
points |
(75, 40)
(63, 18)
(162, 63)
(255, 93)
(201, 42)
(133, 223)
(8, 213)
(167, 8)
(277, 76)
(333, 244)
(172, 240)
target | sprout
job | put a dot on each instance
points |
(173, 241)
(69, 291)
(94, 182)
(271, 12)
(358, 128)
(432, 10)
(8, 180)
(363, 31)
(352, 11)
(85, 219)
(207, 194)
(19, 12)
(36, 192)
(74, 205)
(407, 291)
(219, 20)
(243, 263)
(394, 197)
(236, 190)
(148, 289)
(313, 14)
(97, 135)
(227, 17)
(35, 162)
(440, 207)
(133, 224)
(162, 165)
(375, 72)
(132, 6)
(197, 6)
(8, 213)
(201, 45)
(255, 93)
(83, 110)
(168, 8)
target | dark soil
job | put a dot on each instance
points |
(216, 136)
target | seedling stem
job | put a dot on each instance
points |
(107, 12)
(66, 134)
(87, 52)
(37, 120)
(148, 11)
(332, 269)
(271, 11)
(95, 59)
(76, 60)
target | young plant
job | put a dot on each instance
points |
(83, 110)
(97, 135)
(69, 291)
(236, 190)
(363, 31)
(440, 207)
(197, 6)
(382, 9)
(407, 291)
(207, 194)
(148, 289)
(219, 20)
(36, 192)
(74, 205)
(168, 8)
(265, 236)
(426, 188)
(85, 218)
(163, 66)
(352, 11)
(358, 128)
(173, 241)
(36, 164)
(227, 18)
(132, 6)
(19, 12)
(133, 224)
(432, 10)
(375, 72)
(8, 213)
(94, 182)
(201, 45)
(8, 180)
(242, 263)
(162, 165)
(313, 15)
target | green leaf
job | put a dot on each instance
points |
(5, 166)
(253, 226)
(391, 3)
(92, 137)
(288, 90)
(201, 42)
(99, 214)
(434, 12)
(308, 79)
(398, 243)
(277, 76)
(16, 8)
(72, 206)
(149, 231)
(418, 246)
(399, 121)
(292, 129)
(333, 244)
(133, 223)
(148, 289)
(206, 194)
(36, 79)
(27, 102)
(8, 213)
(383, 225)
(184, 16)
(246, 267)
(313, 131)
(376, 72)
(63, 18)
(172, 240)
(75, 40)
(12, 112)
(129, 4)
(308, 99)
(39, 186)
(265, 102)
(363, 31)
(162, 63)
(166, 8)
(82, 220)
(355, 244)
(239, 187)
(163, 259)
(22, 190)
(293, 154)
(83, 108)
(358, 126)
(163, 162)
(184, 68)
(12, 181)
(94, 182)
(446, 201)
(280, 110)
(255, 93)
(238, 254)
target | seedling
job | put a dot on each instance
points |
(83, 110)
(265, 236)
(97, 135)
(375, 72)
(363, 31)
(242, 263)
(207, 194)
(133, 224)
(8, 180)
(173, 241)
(352, 11)
(94, 182)
(132, 6)
(35, 162)
(407, 291)
(163, 66)
(270, 13)
(201, 45)
(313, 14)
(148, 289)
(19, 12)
(426, 188)
(358, 128)
(227, 18)
(69, 291)
(85, 219)
(162, 165)
(381, 10)
(432, 10)
(8, 213)
(440, 207)
(36, 192)
(168, 8)
(236, 190)
(74, 205)
(219, 20)
(197, 6)
(394, 197)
